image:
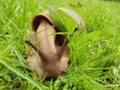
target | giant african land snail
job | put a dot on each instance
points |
(49, 57)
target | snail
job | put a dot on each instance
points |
(49, 55)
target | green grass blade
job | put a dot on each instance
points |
(7, 62)
(62, 20)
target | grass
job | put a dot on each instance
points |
(94, 58)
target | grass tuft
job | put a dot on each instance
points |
(94, 57)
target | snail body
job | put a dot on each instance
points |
(53, 57)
